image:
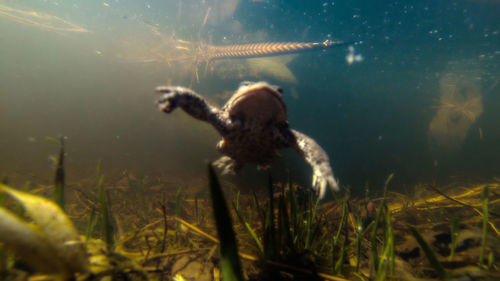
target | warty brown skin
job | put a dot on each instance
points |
(253, 125)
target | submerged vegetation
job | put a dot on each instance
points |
(426, 92)
(288, 235)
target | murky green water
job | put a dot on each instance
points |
(375, 116)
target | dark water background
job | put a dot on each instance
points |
(372, 117)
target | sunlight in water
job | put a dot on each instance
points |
(41, 20)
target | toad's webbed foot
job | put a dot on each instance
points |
(193, 104)
(227, 165)
(168, 101)
(185, 98)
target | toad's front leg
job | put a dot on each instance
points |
(191, 103)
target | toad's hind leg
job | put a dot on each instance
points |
(227, 165)
(319, 161)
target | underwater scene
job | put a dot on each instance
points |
(249, 140)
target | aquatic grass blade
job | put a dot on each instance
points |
(375, 258)
(342, 217)
(294, 217)
(165, 223)
(429, 253)
(59, 180)
(336, 239)
(386, 261)
(359, 233)
(229, 259)
(178, 212)
(455, 227)
(270, 246)
(484, 201)
(196, 210)
(391, 243)
(284, 225)
(491, 260)
(89, 232)
(106, 224)
(387, 181)
(237, 200)
(249, 229)
(313, 207)
(360, 277)
(340, 261)
(260, 212)
(343, 252)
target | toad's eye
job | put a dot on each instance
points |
(245, 84)
(279, 90)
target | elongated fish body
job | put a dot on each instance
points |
(264, 49)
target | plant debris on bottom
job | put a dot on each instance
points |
(167, 233)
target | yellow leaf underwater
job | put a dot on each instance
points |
(51, 243)
(27, 242)
(273, 67)
(267, 68)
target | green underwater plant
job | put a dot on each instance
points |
(288, 229)
(59, 177)
(59, 180)
(429, 253)
(293, 235)
(484, 204)
(106, 217)
(455, 227)
(39, 232)
(380, 264)
(229, 259)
